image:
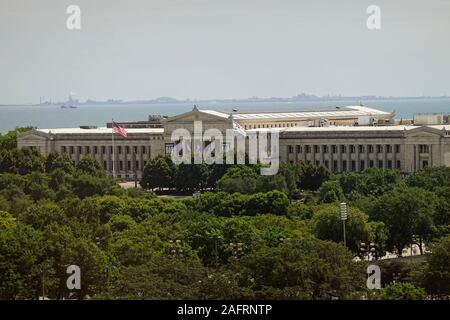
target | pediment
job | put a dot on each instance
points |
(424, 132)
(32, 135)
(196, 115)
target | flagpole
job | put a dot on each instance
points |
(114, 151)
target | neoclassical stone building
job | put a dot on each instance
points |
(343, 139)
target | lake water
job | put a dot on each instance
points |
(55, 117)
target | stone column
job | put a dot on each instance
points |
(304, 153)
(330, 158)
(357, 158)
(349, 158)
(321, 156)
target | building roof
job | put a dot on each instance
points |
(100, 130)
(350, 128)
(340, 112)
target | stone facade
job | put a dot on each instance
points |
(338, 147)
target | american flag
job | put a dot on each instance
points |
(118, 129)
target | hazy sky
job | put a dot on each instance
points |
(141, 49)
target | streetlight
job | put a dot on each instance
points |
(396, 276)
(237, 250)
(369, 250)
(343, 208)
(176, 248)
(43, 268)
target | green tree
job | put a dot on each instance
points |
(90, 166)
(28, 160)
(304, 269)
(430, 178)
(401, 291)
(59, 161)
(436, 274)
(6, 220)
(42, 214)
(327, 225)
(191, 177)
(407, 213)
(160, 278)
(330, 191)
(21, 255)
(159, 173)
(377, 181)
(442, 215)
(9, 140)
(312, 176)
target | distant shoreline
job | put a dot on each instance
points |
(209, 101)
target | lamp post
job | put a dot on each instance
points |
(177, 250)
(237, 250)
(369, 250)
(343, 209)
(44, 267)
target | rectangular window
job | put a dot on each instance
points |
(119, 150)
(308, 149)
(344, 165)
(63, 149)
(370, 148)
(95, 149)
(137, 164)
(371, 164)
(316, 149)
(144, 150)
(71, 150)
(353, 165)
(127, 149)
(110, 150)
(343, 149)
(79, 150)
(135, 149)
(362, 165)
(169, 148)
(88, 150)
(389, 164)
(380, 163)
(399, 164)
(352, 149)
(129, 165)
(424, 148)
(361, 148)
(120, 165)
(290, 149)
(299, 149)
(105, 164)
(397, 148)
(379, 148)
(335, 165)
(325, 149)
(103, 149)
(334, 148)
(388, 148)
